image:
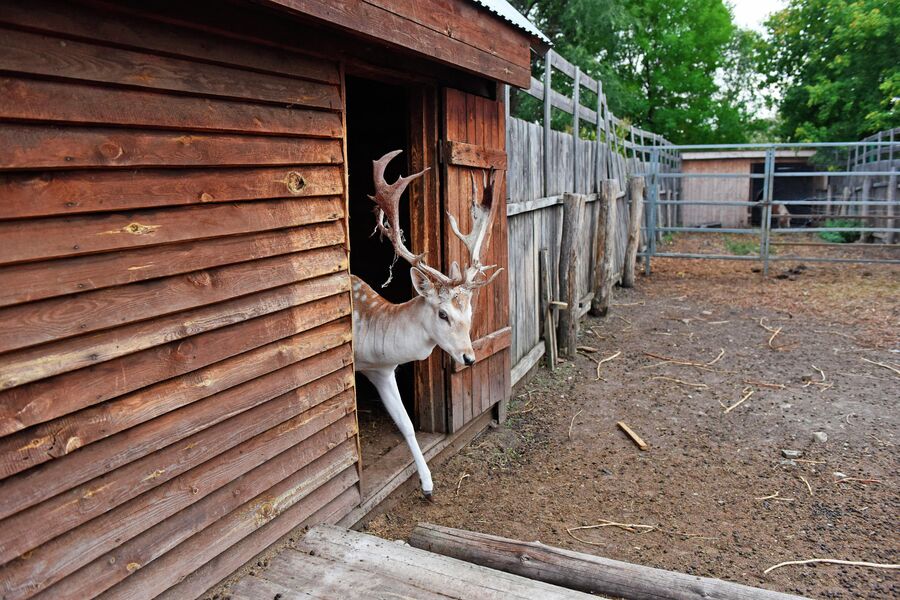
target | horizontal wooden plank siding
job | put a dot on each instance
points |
(176, 378)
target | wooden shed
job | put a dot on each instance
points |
(739, 189)
(183, 191)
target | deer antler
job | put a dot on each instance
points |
(482, 213)
(387, 214)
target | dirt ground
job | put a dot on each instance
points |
(708, 484)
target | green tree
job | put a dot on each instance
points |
(660, 61)
(837, 66)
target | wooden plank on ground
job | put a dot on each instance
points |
(453, 577)
(580, 571)
(41, 239)
(301, 575)
(52, 193)
(58, 102)
(46, 279)
(46, 147)
(75, 353)
(40, 401)
(51, 561)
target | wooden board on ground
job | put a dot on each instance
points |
(330, 562)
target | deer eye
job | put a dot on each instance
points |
(443, 315)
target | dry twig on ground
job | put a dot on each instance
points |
(833, 561)
(775, 496)
(774, 386)
(747, 393)
(600, 362)
(881, 364)
(718, 358)
(687, 383)
(572, 422)
(809, 487)
(634, 437)
(459, 483)
(678, 361)
(857, 480)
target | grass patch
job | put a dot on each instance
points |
(741, 247)
(840, 237)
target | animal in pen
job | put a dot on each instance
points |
(387, 335)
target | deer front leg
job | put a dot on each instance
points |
(386, 384)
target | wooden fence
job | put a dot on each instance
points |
(876, 196)
(543, 164)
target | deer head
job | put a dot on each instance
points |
(449, 297)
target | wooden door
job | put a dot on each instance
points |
(474, 141)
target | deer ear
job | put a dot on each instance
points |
(455, 273)
(422, 283)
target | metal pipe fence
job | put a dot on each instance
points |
(796, 191)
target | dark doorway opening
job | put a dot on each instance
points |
(785, 188)
(377, 122)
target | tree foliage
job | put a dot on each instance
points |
(679, 68)
(837, 65)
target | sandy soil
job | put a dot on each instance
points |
(560, 462)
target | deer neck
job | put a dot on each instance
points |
(387, 335)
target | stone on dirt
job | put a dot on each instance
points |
(791, 453)
(820, 436)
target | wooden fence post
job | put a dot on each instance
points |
(867, 236)
(845, 199)
(604, 248)
(892, 207)
(576, 127)
(636, 203)
(548, 114)
(547, 309)
(573, 210)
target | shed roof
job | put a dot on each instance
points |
(508, 13)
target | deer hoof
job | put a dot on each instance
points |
(428, 496)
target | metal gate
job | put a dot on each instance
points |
(784, 198)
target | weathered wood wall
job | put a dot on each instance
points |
(543, 164)
(718, 189)
(175, 367)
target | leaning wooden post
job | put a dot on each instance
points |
(573, 209)
(579, 571)
(892, 207)
(550, 352)
(866, 237)
(605, 248)
(636, 205)
(845, 202)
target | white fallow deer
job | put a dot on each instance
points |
(386, 335)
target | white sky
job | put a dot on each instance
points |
(750, 14)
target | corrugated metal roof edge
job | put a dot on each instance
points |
(508, 13)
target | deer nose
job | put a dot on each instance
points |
(468, 359)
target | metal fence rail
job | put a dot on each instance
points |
(865, 174)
